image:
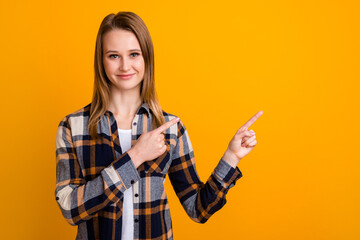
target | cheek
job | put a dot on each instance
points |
(139, 66)
(105, 63)
(109, 66)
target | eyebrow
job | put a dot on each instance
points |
(129, 50)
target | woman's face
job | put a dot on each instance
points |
(122, 56)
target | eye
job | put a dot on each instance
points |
(112, 55)
(135, 55)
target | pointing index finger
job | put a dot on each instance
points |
(252, 120)
(167, 125)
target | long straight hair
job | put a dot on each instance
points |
(101, 96)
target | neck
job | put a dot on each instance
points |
(124, 103)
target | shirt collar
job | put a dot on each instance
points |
(143, 108)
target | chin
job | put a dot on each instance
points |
(127, 86)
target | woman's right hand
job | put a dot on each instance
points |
(150, 145)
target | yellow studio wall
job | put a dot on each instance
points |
(216, 64)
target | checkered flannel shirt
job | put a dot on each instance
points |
(92, 175)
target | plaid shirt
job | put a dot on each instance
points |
(91, 176)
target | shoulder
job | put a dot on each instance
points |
(176, 127)
(168, 116)
(77, 117)
(84, 111)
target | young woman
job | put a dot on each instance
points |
(112, 155)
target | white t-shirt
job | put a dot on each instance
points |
(127, 231)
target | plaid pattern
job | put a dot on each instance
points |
(91, 176)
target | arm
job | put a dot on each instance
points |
(78, 199)
(199, 200)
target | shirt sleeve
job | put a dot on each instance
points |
(200, 200)
(78, 199)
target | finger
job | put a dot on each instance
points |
(247, 142)
(163, 149)
(166, 125)
(240, 130)
(244, 134)
(252, 120)
(160, 137)
(252, 144)
(246, 138)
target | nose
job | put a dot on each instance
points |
(124, 64)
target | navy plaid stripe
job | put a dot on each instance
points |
(91, 177)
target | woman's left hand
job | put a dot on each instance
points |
(242, 143)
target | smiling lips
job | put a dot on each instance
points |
(125, 76)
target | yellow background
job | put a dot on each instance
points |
(217, 63)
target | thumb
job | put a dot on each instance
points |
(245, 134)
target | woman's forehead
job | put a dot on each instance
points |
(120, 40)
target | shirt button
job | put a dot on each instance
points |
(134, 123)
(57, 198)
(132, 182)
(136, 220)
(136, 195)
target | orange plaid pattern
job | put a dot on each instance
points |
(91, 176)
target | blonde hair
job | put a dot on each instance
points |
(101, 95)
